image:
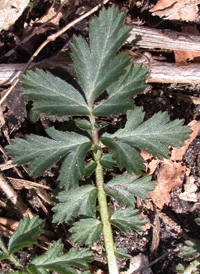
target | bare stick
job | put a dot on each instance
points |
(12, 195)
(52, 37)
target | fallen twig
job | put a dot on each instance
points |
(12, 195)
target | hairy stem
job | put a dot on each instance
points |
(107, 230)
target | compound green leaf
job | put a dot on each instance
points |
(52, 260)
(121, 91)
(124, 187)
(86, 231)
(96, 65)
(41, 152)
(52, 95)
(127, 219)
(80, 201)
(25, 233)
(152, 136)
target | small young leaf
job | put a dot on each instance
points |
(52, 95)
(52, 260)
(107, 161)
(126, 219)
(121, 91)
(123, 188)
(96, 66)
(152, 136)
(83, 124)
(190, 250)
(121, 253)
(86, 231)
(75, 201)
(42, 152)
(90, 168)
(25, 233)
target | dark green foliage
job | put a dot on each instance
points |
(124, 187)
(127, 219)
(25, 233)
(99, 69)
(63, 264)
(76, 201)
(86, 231)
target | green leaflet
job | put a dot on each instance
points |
(192, 268)
(90, 168)
(79, 201)
(3, 256)
(52, 260)
(41, 153)
(25, 233)
(86, 231)
(152, 136)
(107, 161)
(125, 155)
(17, 272)
(122, 253)
(121, 91)
(190, 250)
(126, 219)
(83, 124)
(52, 95)
(96, 66)
(124, 187)
(73, 166)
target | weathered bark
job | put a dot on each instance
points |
(159, 72)
(143, 37)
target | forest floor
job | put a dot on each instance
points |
(174, 205)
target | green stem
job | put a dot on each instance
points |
(107, 230)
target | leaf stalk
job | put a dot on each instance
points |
(107, 230)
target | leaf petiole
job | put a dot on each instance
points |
(107, 230)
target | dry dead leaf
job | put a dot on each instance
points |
(151, 163)
(184, 57)
(169, 221)
(185, 10)
(170, 176)
(10, 11)
(54, 15)
(190, 188)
